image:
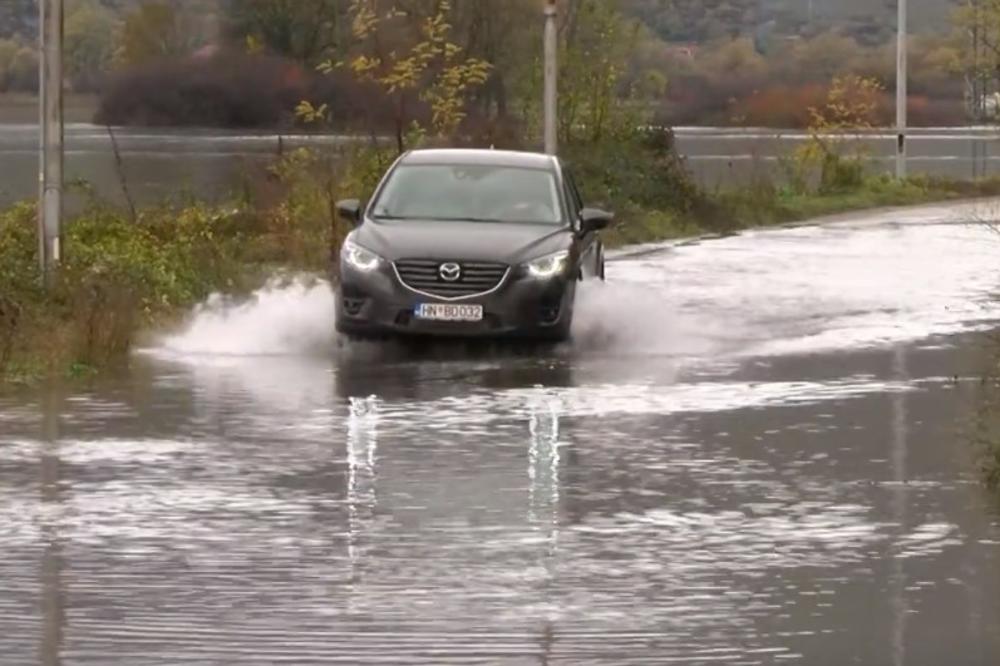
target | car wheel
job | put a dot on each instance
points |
(599, 268)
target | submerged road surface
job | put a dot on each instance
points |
(751, 454)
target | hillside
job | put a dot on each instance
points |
(870, 21)
(925, 14)
(674, 20)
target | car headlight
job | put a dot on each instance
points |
(549, 266)
(358, 257)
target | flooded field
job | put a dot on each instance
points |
(752, 453)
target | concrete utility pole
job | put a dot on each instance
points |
(901, 92)
(551, 75)
(51, 130)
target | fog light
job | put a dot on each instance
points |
(352, 306)
(549, 315)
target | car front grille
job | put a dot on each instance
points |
(424, 276)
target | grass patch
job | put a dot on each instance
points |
(883, 191)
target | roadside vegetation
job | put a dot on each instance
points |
(123, 275)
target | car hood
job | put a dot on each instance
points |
(461, 241)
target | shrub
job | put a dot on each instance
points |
(10, 320)
(116, 276)
(841, 174)
(239, 90)
(223, 90)
(22, 71)
(780, 106)
(640, 172)
(19, 275)
(8, 49)
(359, 106)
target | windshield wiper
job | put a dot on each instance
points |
(467, 219)
(431, 218)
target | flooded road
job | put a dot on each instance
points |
(751, 454)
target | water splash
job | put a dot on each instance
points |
(629, 317)
(283, 318)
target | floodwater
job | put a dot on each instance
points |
(164, 163)
(751, 454)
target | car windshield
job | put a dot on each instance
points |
(476, 193)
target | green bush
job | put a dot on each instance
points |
(641, 178)
(841, 174)
(642, 169)
(116, 275)
(119, 274)
(19, 276)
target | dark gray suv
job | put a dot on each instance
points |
(468, 243)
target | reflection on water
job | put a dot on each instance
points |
(898, 456)
(543, 461)
(53, 592)
(362, 498)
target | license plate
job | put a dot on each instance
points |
(449, 312)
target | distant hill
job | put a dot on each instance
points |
(674, 20)
(924, 14)
(871, 21)
(18, 18)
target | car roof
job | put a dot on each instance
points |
(470, 156)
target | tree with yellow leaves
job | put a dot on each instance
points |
(851, 106)
(424, 64)
(979, 22)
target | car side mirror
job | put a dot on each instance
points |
(349, 210)
(594, 219)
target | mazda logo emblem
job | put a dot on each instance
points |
(450, 272)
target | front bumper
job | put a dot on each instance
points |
(378, 303)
